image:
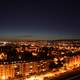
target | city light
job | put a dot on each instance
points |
(36, 62)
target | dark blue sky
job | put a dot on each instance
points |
(40, 19)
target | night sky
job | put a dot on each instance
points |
(49, 19)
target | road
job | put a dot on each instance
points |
(76, 77)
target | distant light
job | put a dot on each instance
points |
(19, 57)
(32, 44)
(4, 77)
(62, 52)
(34, 54)
(31, 66)
(18, 73)
(55, 59)
(73, 51)
(61, 59)
(15, 66)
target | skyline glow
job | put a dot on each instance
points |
(40, 19)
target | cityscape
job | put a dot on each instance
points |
(39, 60)
(39, 40)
